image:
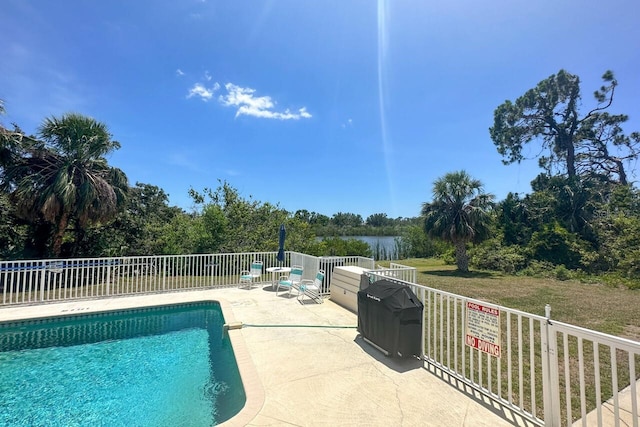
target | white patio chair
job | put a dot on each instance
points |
(249, 277)
(312, 288)
(292, 281)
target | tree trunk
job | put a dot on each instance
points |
(621, 173)
(57, 237)
(80, 235)
(38, 247)
(570, 149)
(462, 261)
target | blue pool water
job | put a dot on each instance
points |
(166, 366)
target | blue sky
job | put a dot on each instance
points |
(331, 106)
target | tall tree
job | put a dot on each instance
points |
(12, 234)
(513, 220)
(576, 145)
(342, 219)
(606, 149)
(303, 215)
(459, 213)
(232, 223)
(378, 220)
(63, 178)
(137, 229)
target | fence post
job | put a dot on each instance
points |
(163, 261)
(107, 265)
(423, 297)
(550, 382)
(43, 279)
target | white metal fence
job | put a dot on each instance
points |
(402, 272)
(548, 372)
(589, 368)
(23, 282)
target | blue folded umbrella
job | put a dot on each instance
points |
(281, 236)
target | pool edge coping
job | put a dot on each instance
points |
(253, 388)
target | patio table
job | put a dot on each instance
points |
(279, 271)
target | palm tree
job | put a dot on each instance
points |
(459, 213)
(63, 177)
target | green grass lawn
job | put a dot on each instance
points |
(604, 308)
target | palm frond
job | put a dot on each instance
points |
(64, 176)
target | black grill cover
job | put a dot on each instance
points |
(390, 316)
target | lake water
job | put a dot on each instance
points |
(388, 243)
(383, 247)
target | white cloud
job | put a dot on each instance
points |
(179, 72)
(245, 101)
(349, 123)
(303, 113)
(257, 106)
(204, 93)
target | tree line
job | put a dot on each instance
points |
(583, 214)
(350, 224)
(59, 197)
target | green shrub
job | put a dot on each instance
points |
(543, 269)
(558, 246)
(630, 264)
(616, 279)
(414, 243)
(449, 257)
(335, 246)
(561, 273)
(491, 255)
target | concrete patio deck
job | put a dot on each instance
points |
(314, 372)
(330, 376)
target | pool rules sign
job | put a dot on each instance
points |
(483, 328)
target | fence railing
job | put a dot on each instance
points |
(547, 372)
(594, 377)
(394, 271)
(24, 282)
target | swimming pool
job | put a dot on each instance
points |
(161, 366)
